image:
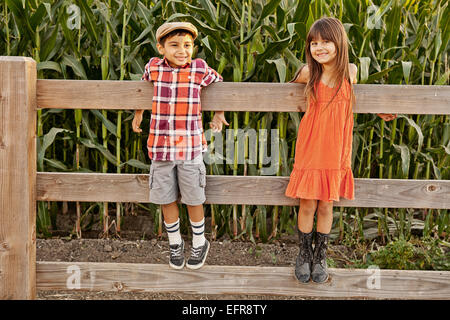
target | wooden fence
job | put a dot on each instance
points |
(21, 94)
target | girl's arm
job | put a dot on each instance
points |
(387, 116)
(302, 75)
(353, 72)
(353, 78)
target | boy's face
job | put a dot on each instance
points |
(177, 49)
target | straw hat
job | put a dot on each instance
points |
(168, 27)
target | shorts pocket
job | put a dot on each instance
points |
(152, 180)
(202, 176)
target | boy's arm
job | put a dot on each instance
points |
(139, 113)
(217, 121)
(146, 75)
(210, 76)
(137, 121)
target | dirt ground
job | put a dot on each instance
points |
(137, 244)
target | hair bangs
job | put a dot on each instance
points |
(321, 30)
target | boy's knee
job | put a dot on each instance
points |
(199, 206)
(166, 205)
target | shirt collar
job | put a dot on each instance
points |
(161, 61)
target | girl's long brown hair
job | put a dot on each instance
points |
(331, 29)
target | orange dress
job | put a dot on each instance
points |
(322, 168)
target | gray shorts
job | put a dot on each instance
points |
(169, 179)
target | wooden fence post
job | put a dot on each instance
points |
(17, 178)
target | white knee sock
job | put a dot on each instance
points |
(198, 233)
(173, 232)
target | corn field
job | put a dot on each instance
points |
(391, 42)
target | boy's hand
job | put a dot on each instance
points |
(217, 121)
(387, 116)
(137, 121)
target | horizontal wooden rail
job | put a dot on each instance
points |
(250, 190)
(343, 283)
(240, 96)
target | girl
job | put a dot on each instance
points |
(322, 170)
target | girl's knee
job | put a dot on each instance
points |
(325, 208)
(308, 206)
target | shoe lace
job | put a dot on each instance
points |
(176, 251)
(321, 250)
(306, 252)
(195, 252)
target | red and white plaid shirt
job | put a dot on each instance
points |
(176, 131)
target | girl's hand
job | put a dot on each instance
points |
(217, 121)
(137, 121)
(387, 116)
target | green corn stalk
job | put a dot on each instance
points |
(119, 113)
(105, 76)
(43, 208)
(78, 119)
(243, 220)
(282, 135)
(381, 166)
(262, 143)
(212, 206)
(369, 153)
(7, 31)
(235, 168)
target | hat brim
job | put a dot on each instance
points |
(166, 32)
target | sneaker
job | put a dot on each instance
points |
(198, 256)
(176, 260)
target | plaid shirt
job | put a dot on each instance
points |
(176, 131)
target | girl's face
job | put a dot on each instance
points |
(323, 51)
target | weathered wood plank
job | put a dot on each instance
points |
(343, 283)
(250, 190)
(17, 178)
(240, 96)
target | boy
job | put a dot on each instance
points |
(176, 140)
